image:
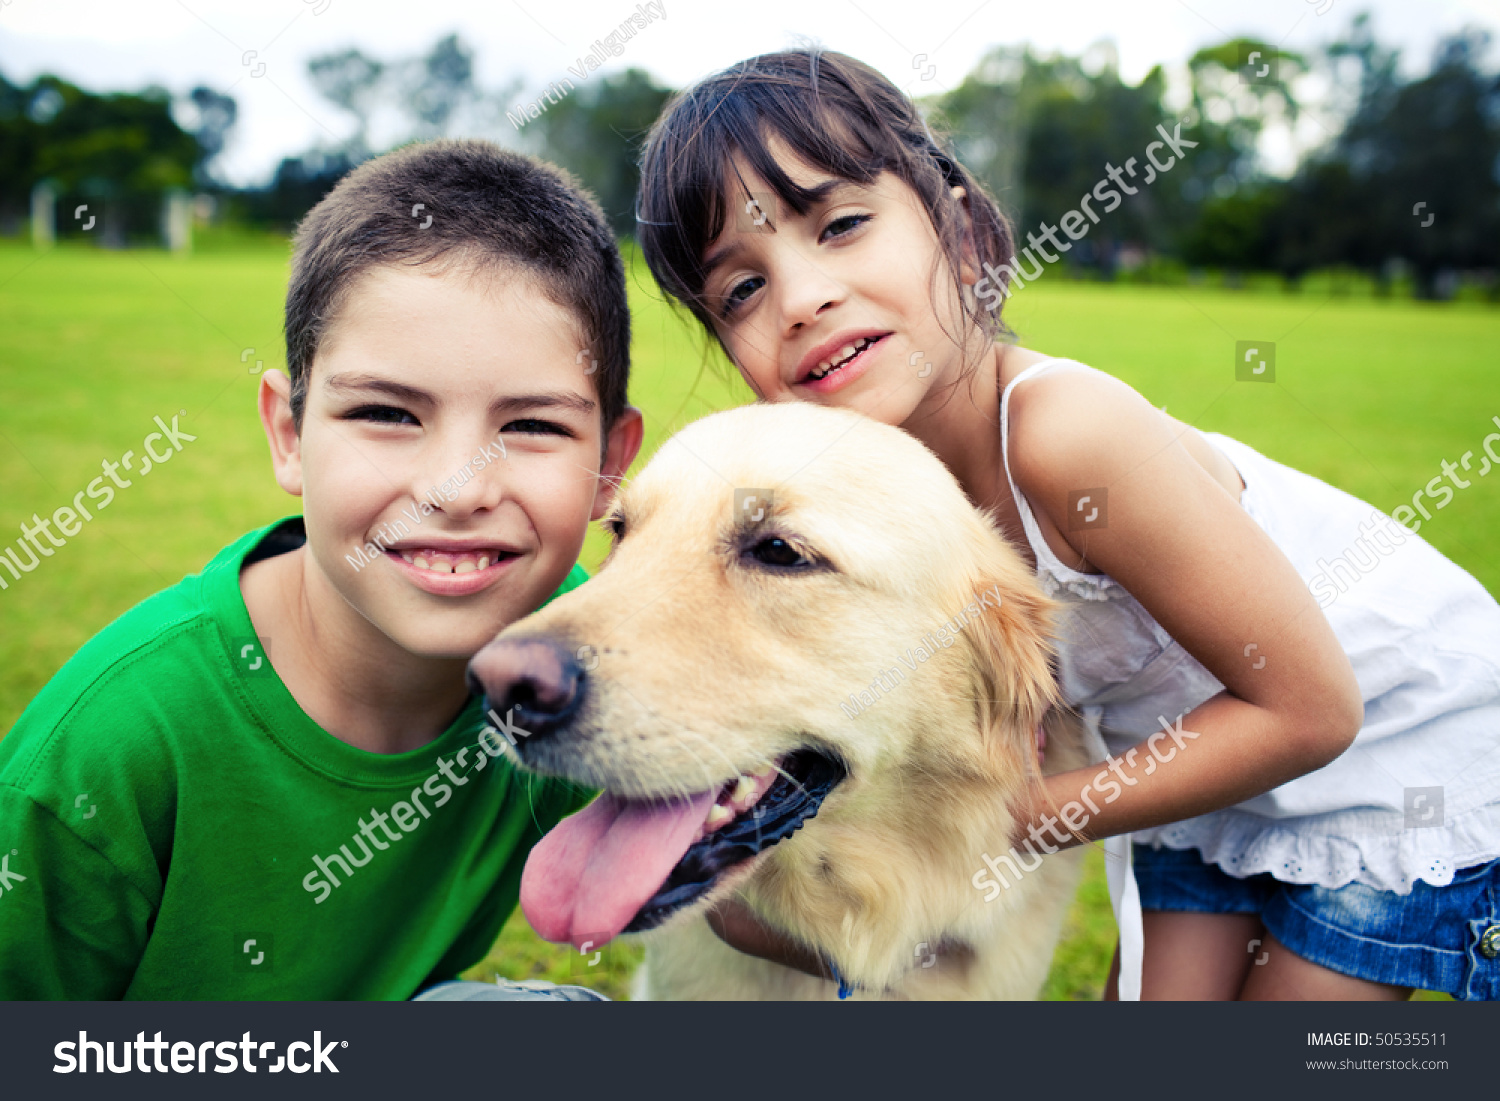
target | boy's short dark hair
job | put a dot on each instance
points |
(479, 204)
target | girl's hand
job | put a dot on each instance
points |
(737, 926)
(1182, 545)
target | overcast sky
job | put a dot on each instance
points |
(109, 44)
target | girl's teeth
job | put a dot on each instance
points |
(845, 352)
(406, 556)
(464, 567)
(419, 562)
(484, 561)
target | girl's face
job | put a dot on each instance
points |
(839, 306)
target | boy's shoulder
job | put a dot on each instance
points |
(148, 668)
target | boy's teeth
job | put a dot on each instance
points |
(448, 562)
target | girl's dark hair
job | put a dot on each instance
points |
(839, 116)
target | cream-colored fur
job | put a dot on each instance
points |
(710, 664)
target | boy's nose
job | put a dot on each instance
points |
(531, 683)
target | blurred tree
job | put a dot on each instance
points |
(118, 153)
(350, 80)
(439, 84)
(596, 133)
(1041, 133)
(210, 117)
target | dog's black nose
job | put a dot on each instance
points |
(531, 683)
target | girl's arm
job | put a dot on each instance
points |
(1182, 546)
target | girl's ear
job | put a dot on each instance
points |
(968, 269)
(275, 403)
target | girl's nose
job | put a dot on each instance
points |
(807, 292)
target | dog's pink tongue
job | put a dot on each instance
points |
(586, 879)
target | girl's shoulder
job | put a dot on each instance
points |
(1070, 425)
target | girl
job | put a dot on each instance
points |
(797, 205)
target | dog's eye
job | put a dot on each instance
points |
(777, 552)
(616, 525)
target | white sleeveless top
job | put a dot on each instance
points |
(1423, 637)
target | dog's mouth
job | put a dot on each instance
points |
(623, 865)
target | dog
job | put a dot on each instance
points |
(810, 674)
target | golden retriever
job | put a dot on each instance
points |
(811, 674)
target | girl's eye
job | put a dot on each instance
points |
(740, 292)
(381, 414)
(532, 427)
(844, 225)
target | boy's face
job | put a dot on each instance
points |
(450, 422)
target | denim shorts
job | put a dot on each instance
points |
(1435, 938)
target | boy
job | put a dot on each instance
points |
(270, 780)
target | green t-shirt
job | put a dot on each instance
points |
(175, 826)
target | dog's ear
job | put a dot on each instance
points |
(1011, 640)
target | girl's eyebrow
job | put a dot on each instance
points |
(830, 189)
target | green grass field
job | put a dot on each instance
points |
(1371, 395)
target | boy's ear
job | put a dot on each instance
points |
(620, 450)
(275, 403)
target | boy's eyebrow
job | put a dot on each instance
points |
(564, 399)
(820, 194)
(555, 399)
(380, 385)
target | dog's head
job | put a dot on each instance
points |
(802, 615)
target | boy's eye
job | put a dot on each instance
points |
(740, 292)
(845, 224)
(381, 414)
(533, 427)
